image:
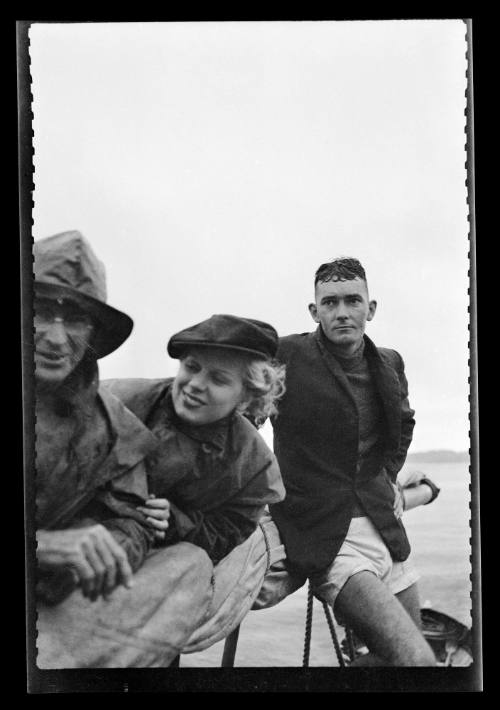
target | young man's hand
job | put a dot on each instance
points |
(157, 512)
(417, 488)
(97, 561)
(399, 501)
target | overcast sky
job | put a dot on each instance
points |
(214, 166)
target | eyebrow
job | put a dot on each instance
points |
(214, 370)
(345, 295)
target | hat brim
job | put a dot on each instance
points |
(111, 326)
(175, 350)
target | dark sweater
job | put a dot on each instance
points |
(367, 400)
(369, 407)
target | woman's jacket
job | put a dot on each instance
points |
(218, 477)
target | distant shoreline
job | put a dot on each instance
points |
(438, 456)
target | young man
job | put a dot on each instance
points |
(341, 436)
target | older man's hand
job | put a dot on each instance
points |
(97, 561)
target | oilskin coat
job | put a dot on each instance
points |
(218, 477)
(316, 438)
(99, 479)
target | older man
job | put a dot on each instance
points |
(104, 597)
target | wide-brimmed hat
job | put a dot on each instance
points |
(66, 267)
(229, 332)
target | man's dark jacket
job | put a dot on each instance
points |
(316, 436)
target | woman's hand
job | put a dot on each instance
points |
(96, 560)
(157, 512)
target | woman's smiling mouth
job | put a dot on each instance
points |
(191, 400)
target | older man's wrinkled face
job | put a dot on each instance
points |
(62, 335)
(343, 309)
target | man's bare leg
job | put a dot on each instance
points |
(381, 620)
(410, 599)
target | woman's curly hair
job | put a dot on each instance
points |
(264, 381)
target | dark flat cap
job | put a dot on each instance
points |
(226, 331)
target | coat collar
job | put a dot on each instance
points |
(389, 388)
(132, 440)
(215, 434)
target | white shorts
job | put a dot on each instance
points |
(363, 550)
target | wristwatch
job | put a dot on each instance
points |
(435, 490)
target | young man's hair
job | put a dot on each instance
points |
(345, 268)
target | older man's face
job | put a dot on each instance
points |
(62, 333)
(343, 309)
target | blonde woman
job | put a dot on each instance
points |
(212, 475)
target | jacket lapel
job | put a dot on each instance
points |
(214, 435)
(387, 383)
